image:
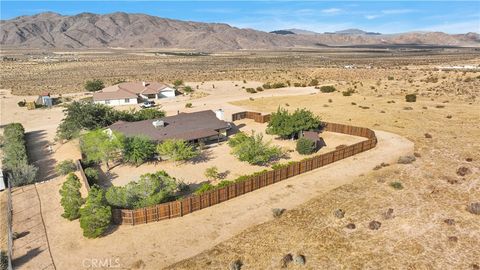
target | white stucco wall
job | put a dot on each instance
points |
(117, 102)
(166, 93)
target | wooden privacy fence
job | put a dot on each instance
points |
(82, 174)
(193, 203)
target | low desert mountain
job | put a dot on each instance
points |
(122, 30)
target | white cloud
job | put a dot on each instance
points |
(371, 17)
(331, 10)
(454, 28)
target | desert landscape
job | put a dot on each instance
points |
(412, 201)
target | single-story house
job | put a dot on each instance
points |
(203, 126)
(128, 93)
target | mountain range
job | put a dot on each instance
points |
(123, 30)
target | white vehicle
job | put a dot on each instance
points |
(148, 104)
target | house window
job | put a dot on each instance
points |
(107, 101)
(127, 100)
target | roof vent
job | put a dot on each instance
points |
(145, 84)
(158, 123)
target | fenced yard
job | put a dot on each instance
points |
(193, 203)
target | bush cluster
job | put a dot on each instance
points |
(252, 149)
(96, 215)
(411, 98)
(71, 197)
(151, 189)
(305, 146)
(65, 167)
(15, 159)
(327, 89)
(250, 90)
(274, 85)
(289, 125)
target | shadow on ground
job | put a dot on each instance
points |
(40, 155)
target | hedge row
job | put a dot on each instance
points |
(15, 159)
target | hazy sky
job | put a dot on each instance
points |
(319, 16)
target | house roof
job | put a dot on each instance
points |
(134, 89)
(311, 135)
(186, 126)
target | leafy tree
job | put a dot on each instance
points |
(151, 189)
(177, 150)
(254, 151)
(305, 146)
(94, 85)
(71, 197)
(99, 146)
(212, 173)
(204, 188)
(137, 150)
(23, 174)
(96, 215)
(237, 139)
(287, 125)
(84, 116)
(65, 167)
(144, 114)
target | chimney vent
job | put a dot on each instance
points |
(158, 123)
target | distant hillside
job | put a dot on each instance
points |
(87, 30)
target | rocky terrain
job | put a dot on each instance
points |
(122, 30)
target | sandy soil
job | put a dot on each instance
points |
(219, 155)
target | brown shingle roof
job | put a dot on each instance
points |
(186, 126)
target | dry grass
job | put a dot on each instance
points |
(417, 237)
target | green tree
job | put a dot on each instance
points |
(71, 197)
(187, 89)
(151, 189)
(92, 175)
(137, 150)
(237, 139)
(94, 85)
(212, 173)
(254, 151)
(65, 167)
(287, 125)
(177, 150)
(96, 215)
(99, 146)
(305, 146)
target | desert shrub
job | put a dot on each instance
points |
(411, 98)
(313, 82)
(188, 105)
(259, 89)
(92, 175)
(297, 84)
(137, 150)
(327, 89)
(224, 183)
(279, 85)
(305, 146)
(96, 215)
(151, 189)
(177, 150)
(288, 125)
(204, 188)
(277, 212)
(94, 85)
(3, 260)
(177, 83)
(347, 93)
(266, 86)
(22, 103)
(212, 173)
(15, 160)
(396, 185)
(254, 151)
(65, 167)
(71, 200)
(237, 139)
(390, 78)
(188, 89)
(250, 90)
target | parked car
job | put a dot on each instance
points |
(148, 104)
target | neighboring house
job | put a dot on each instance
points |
(203, 126)
(132, 93)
